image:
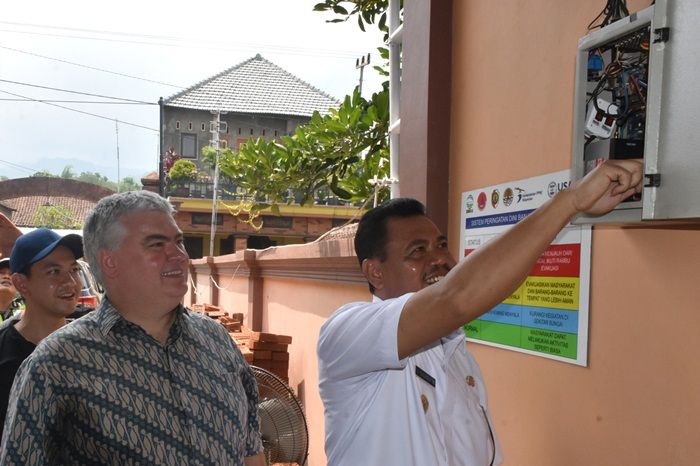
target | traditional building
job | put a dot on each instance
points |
(255, 99)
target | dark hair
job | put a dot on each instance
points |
(371, 237)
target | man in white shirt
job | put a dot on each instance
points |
(396, 379)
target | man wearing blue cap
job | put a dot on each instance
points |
(45, 272)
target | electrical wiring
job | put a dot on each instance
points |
(181, 42)
(80, 93)
(101, 102)
(90, 67)
(81, 111)
(21, 167)
(614, 10)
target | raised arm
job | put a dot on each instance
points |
(491, 273)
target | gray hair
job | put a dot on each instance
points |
(103, 230)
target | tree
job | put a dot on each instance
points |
(96, 178)
(68, 172)
(183, 171)
(366, 11)
(55, 216)
(44, 173)
(339, 152)
(129, 184)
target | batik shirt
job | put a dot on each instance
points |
(102, 391)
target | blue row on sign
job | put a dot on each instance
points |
(508, 218)
(557, 320)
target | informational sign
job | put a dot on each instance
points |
(548, 314)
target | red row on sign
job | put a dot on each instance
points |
(558, 260)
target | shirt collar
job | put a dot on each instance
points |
(108, 316)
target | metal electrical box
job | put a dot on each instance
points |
(637, 95)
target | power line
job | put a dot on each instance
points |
(189, 43)
(80, 111)
(64, 28)
(90, 67)
(78, 92)
(22, 167)
(101, 102)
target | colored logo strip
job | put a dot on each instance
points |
(508, 218)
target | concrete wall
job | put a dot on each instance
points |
(289, 291)
(638, 402)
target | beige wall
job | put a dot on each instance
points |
(638, 402)
(299, 308)
(301, 287)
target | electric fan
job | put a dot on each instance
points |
(285, 435)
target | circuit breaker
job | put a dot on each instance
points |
(637, 95)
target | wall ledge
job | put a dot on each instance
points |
(330, 259)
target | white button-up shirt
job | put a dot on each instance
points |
(427, 409)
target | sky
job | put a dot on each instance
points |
(143, 50)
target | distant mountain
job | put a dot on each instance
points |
(56, 166)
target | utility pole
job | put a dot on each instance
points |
(360, 64)
(116, 126)
(214, 130)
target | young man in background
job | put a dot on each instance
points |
(46, 273)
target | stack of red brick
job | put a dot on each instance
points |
(265, 350)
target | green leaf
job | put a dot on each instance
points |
(340, 10)
(382, 21)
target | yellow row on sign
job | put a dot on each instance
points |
(551, 292)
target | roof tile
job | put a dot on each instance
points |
(255, 86)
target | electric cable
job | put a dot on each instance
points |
(81, 111)
(78, 92)
(91, 67)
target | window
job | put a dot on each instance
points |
(223, 143)
(202, 218)
(270, 221)
(223, 127)
(189, 126)
(204, 127)
(177, 125)
(194, 245)
(188, 145)
(263, 132)
(251, 131)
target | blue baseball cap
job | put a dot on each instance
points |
(33, 246)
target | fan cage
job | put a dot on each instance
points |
(283, 426)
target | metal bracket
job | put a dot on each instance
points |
(662, 35)
(653, 180)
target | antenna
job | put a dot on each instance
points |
(360, 64)
(116, 127)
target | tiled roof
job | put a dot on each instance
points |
(27, 206)
(26, 195)
(255, 86)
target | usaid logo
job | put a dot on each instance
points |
(555, 187)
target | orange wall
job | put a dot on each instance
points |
(293, 303)
(299, 308)
(638, 402)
